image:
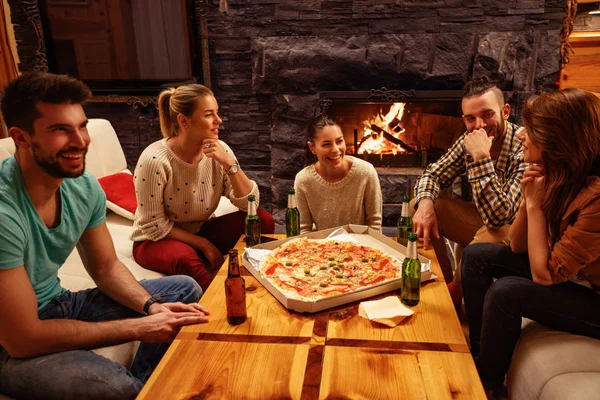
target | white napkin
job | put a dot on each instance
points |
(254, 256)
(388, 311)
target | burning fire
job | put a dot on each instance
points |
(377, 128)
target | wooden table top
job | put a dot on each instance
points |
(334, 353)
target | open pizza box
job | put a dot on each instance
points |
(356, 233)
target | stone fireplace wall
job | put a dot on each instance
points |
(270, 59)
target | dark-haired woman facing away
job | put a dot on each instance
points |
(551, 271)
(335, 189)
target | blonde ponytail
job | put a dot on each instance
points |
(164, 113)
(182, 100)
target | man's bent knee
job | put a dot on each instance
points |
(77, 374)
(487, 235)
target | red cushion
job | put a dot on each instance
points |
(119, 189)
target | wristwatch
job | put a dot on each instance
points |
(235, 167)
(152, 300)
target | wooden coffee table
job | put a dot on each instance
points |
(333, 354)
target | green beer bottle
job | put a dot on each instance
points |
(404, 223)
(411, 273)
(252, 224)
(292, 215)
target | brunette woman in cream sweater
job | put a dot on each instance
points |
(336, 189)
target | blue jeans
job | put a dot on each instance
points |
(82, 374)
(494, 309)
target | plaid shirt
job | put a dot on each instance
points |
(495, 184)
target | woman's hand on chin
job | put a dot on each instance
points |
(533, 191)
(212, 148)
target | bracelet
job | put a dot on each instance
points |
(151, 301)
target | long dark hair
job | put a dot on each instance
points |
(565, 124)
(315, 127)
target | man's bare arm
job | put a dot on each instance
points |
(97, 252)
(23, 334)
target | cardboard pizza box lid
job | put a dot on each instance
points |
(364, 235)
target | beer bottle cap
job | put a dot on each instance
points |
(251, 197)
(412, 237)
(406, 199)
(292, 191)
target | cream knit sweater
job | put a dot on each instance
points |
(356, 199)
(172, 192)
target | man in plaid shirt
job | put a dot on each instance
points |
(491, 156)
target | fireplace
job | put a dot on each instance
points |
(391, 128)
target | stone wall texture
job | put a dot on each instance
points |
(270, 59)
(284, 53)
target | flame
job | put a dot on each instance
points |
(375, 143)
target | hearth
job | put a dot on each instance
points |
(391, 128)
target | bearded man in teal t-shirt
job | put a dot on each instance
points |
(49, 205)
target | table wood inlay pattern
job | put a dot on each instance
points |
(333, 354)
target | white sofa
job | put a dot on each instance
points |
(105, 157)
(553, 365)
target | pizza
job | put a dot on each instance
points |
(310, 270)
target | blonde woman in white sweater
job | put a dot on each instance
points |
(179, 181)
(336, 189)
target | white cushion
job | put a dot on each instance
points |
(580, 386)
(105, 155)
(543, 354)
(7, 148)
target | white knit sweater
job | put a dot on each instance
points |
(356, 199)
(171, 192)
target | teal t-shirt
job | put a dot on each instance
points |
(25, 239)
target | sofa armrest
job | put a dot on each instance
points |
(543, 354)
(225, 207)
(105, 155)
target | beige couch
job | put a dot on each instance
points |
(105, 157)
(553, 365)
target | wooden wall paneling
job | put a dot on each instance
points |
(87, 27)
(122, 37)
(187, 39)
(583, 70)
(8, 68)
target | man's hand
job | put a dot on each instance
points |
(177, 307)
(478, 144)
(425, 222)
(162, 327)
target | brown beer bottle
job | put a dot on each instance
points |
(235, 291)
